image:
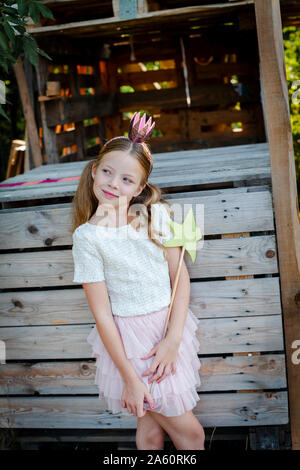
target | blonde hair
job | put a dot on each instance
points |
(85, 203)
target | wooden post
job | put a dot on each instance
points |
(30, 80)
(49, 135)
(75, 91)
(28, 113)
(269, 31)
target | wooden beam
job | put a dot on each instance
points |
(28, 113)
(154, 17)
(269, 31)
(80, 107)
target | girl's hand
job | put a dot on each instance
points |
(133, 397)
(165, 359)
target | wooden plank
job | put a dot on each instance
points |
(113, 24)
(28, 112)
(196, 119)
(220, 116)
(222, 409)
(209, 139)
(221, 69)
(211, 299)
(67, 138)
(78, 108)
(234, 257)
(183, 168)
(50, 225)
(216, 258)
(286, 205)
(259, 333)
(151, 76)
(256, 155)
(216, 336)
(78, 377)
(171, 98)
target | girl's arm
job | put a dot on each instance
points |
(182, 296)
(98, 299)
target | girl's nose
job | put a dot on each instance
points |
(114, 182)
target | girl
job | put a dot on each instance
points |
(127, 275)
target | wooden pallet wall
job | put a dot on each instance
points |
(75, 117)
(48, 378)
(208, 122)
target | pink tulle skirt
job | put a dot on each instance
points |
(175, 394)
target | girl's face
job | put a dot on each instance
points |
(119, 174)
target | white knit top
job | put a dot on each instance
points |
(136, 273)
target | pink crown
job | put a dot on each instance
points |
(139, 129)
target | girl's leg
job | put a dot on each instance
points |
(149, 433)
(185, 430)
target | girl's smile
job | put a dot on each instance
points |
(109, 195)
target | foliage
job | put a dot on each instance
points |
(14, 39)
(291, 41)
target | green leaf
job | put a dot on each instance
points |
(9, 32)
(14, 20)
(43, 53)
(31, 43)
(34, 12)
(23, 7)
(45, 11)
(10, 11)
(4, 65)
(19, 46)
(7, 55)
(21, 29)
(3, 41)
(3, 113)
(30, 54)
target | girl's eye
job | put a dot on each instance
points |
(105, 169)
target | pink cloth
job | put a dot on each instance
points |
(175, 394)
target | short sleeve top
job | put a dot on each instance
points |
(133, 267)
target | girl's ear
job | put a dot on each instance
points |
(93, 171)
(139, 191)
